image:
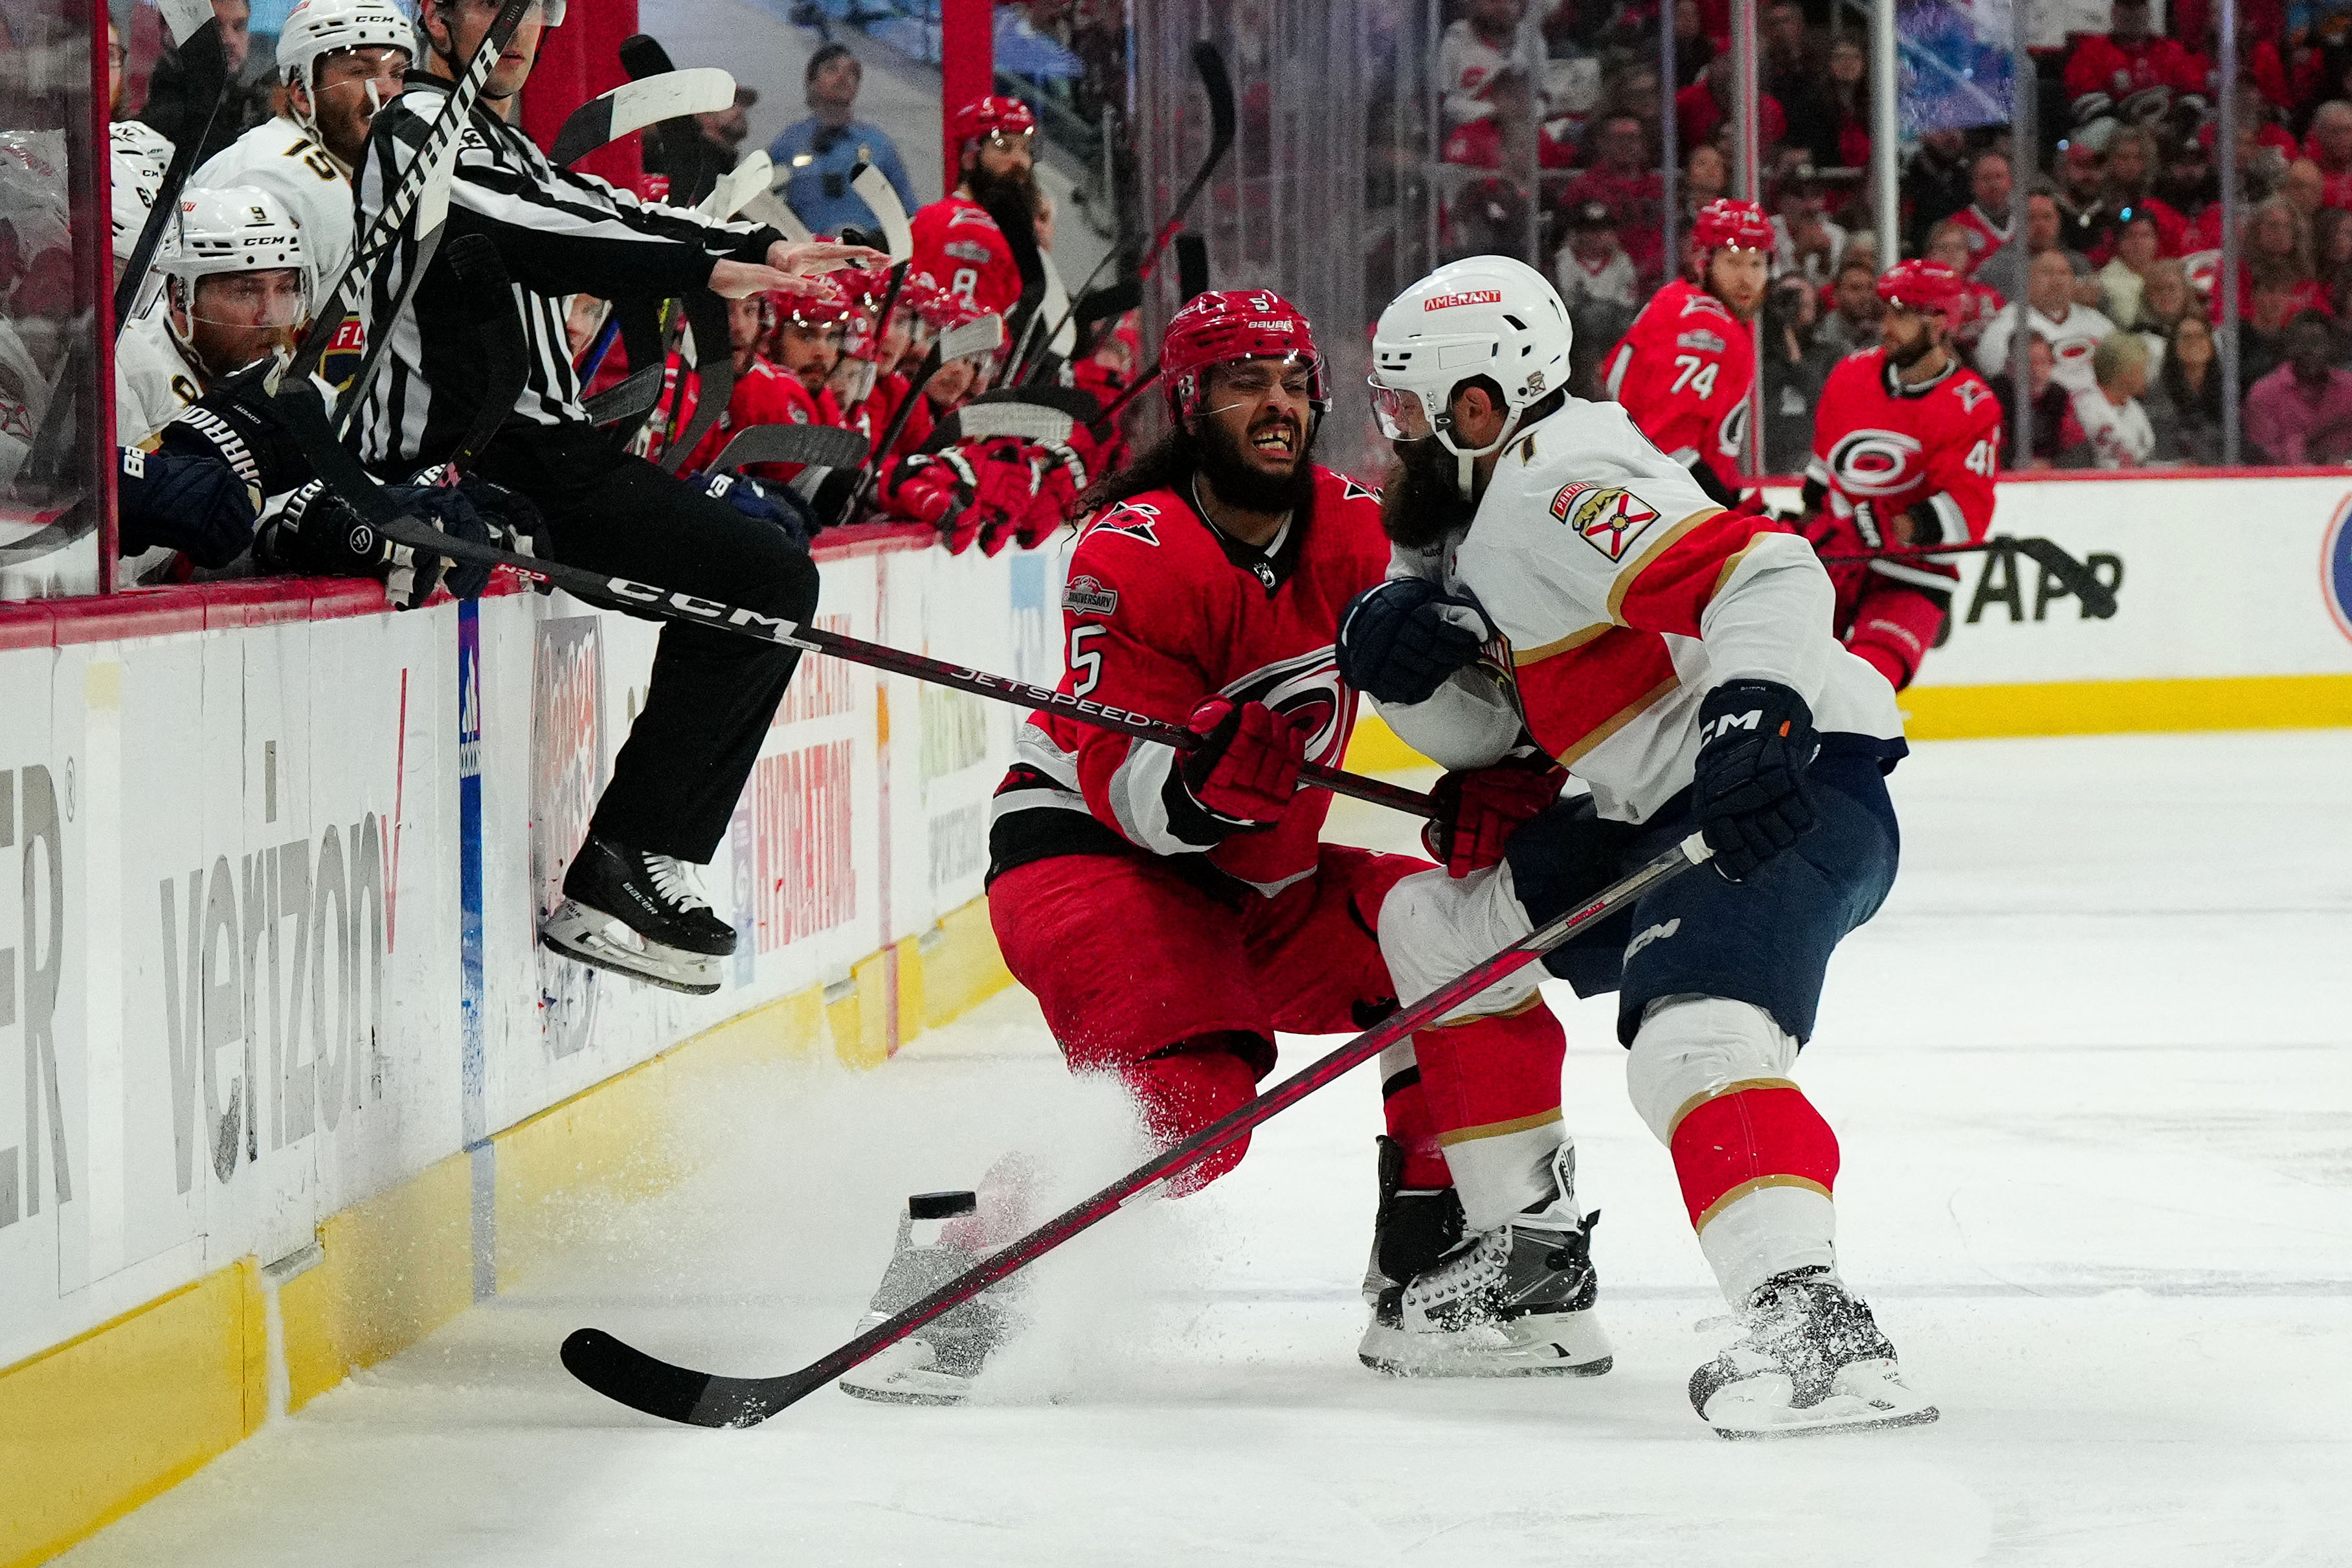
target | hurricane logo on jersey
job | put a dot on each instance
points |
(1307, 691)
(1735, 430)
(1876, 462)
(1134, 519)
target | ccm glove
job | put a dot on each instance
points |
(1245, 769)
(1478, 810)
(1747, 786)
(1399, 641)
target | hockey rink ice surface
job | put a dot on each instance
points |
(2092, 1070)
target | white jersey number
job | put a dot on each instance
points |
(1085, 659)
(1688, 374)
(1980, 458)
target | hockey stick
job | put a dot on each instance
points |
(488, 288)
(812, 446)
(629, 398)
(664, 604)
(197, 31)
(977, 337)
(2073, 576)
(641, 56)
(634, 105)
(621, 1372)
(875, 189)
(714, 371)
(1223, 124)
(422, 193)
(737, 187)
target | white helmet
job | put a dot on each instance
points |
(1487, 315)
(236, 230)
(140, 155)
(317, 28)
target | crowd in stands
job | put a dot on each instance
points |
(1552, 121)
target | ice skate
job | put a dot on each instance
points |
(1810, 1359)
(937, 1364)
(1514, 1301)
(641, 915)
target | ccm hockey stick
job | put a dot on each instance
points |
(198, 34)
(623, 1372)
(2097, 598)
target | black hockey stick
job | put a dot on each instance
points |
(812, 446)
(975, 337)
(634, 105)
(623, 1372)
(197, 31)
(1192, 267)
(422, 193)
(641, 56)
(631, 398)
(1224, 124)
(714, 372)
(474, 259)
(2075, 577)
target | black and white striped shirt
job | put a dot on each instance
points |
(559, 233)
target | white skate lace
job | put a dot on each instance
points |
(1464, 1274)
(677, 881)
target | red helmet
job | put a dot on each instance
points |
(1726, 221)
(810, 310)
(1224, 325)
(1928, 287)
(992, 118)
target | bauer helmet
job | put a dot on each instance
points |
(317, 28)
(1225, 326)
(1487, 315)
(992, 119)
(239, 229)
(1929, 287)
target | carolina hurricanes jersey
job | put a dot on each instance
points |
(872, 414)
(1623, 596)
(1683, 371)
(2118, 437)
(1934, 447)
(959, 244)
(1162, 610)
(2135, 79)
(764, 395)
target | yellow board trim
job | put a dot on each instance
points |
(93, 1429)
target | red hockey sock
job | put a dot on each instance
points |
(1406, 1106)
(1186, 1090)
(1734, 1144)
(1491, 1076)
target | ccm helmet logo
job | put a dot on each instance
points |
(1468, 296)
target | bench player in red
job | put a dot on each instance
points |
(1906, 440)
(956, 241)
(1171, 912)
(1684, 368)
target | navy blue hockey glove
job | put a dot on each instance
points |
(1747, 786)
(236, 424)
(1399, 641)
(319, 535)
(776, 505)
(194, 503)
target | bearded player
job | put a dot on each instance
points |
(1556, 574)
(1906, 440)
(956, 241)
(1171, 911)
(1685, 366)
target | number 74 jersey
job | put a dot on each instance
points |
(1935, 447)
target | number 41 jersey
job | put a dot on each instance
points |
(1935, 447)
(1161, 610)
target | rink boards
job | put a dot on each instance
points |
(284, 1080)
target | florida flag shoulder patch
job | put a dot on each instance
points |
(1608, 518)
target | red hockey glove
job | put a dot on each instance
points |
(1843, 546)
(1010, 472)
(1245, 769)
(1480, 810)
(1058, 497)
(926, 487)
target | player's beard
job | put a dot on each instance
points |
(1421, 499)
(991, 191)
(1911, 353)
(1241, 484)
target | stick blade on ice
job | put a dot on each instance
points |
(627, 1375)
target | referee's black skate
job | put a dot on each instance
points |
(639, 914)
(1514, 1301)
(1810, 1358)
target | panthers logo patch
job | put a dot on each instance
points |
(1608, 518)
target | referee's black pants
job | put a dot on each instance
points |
(713, 693)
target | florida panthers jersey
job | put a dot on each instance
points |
(1931, 449)
(1160, 611)
(1683, 371)
(963, 250)
(1622, 597)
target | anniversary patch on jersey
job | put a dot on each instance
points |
(967, 250)
(1608, 518)
(1135, 520)
(1088, 596)
(1702, 340)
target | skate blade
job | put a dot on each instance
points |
(1868, 1397)
(905, 1374)
(587, 936)
(1546, 1344)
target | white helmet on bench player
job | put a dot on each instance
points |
(1486, 316)
(239, 230)
(317, 28)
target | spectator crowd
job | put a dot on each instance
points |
(1551, 129)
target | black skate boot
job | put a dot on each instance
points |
(639, 914)
(937, 1364)
(1810, 1358)
(1412, 1229)
(1514, 1301)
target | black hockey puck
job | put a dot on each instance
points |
(942, 1206)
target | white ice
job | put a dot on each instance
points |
(2093, 1075)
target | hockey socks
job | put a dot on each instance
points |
(1404, 1104)
(1493, 1090)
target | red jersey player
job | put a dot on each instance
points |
(765, 393)
(1906, 440)
(1171, 911)
(1684, 368)
(955, 239)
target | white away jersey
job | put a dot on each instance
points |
(1623, 596)
(281, 158)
